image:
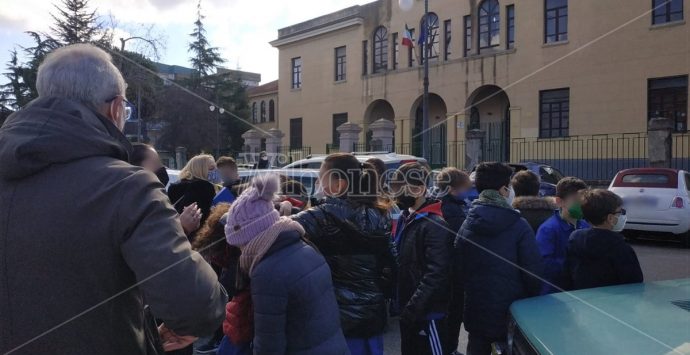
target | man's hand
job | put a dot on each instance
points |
(190, 218)
(172, 341)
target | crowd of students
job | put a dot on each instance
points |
(452, 257)
(298, 276)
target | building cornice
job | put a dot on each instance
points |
(317, 32)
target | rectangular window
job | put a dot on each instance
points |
(340, 63)
(668, 98)
(295, 133)
(296, 73)
(467, 47)
(365, 57)
(665, 11)
(555, 21)
(510, 23)
(447, 38)
(396, 50)
(554, 113)
(338, 120)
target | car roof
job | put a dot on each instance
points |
(649, 170)
(362, 157)
(286, 172)
(644, 318)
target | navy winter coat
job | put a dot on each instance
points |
(498, 256)
(453, 211)
(295, 311)
(599, 257)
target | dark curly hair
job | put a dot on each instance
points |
(210, 240)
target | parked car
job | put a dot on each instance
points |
(308, 177)
(173, 175)
(656, 200)
(548, 175)
(392, 160)
(644, 318)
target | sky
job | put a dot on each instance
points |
(241, 29)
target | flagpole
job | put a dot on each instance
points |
(425, 102)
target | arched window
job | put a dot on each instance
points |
(254, 112)
(271, 111)
(432, 39)
(263, 111)
(489, 24)
(380, 49)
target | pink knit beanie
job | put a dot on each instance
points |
(253, 211)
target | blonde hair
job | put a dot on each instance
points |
(197, 167)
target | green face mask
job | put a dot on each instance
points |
(575, 211)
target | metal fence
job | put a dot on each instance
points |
(287, 154)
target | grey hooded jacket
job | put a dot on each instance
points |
(86, 239)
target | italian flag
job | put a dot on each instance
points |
(407, 39)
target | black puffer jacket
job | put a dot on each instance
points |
(499, 258)
(355, 240)
(423, 254)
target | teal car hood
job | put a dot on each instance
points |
(647, 318)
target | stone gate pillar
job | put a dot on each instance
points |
(252, 139)
(382, 134)
(349, 136)
(659, 142)
(274, 140)
(180, 157)
(473, 148)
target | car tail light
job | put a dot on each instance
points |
(403, 162)
(678, 203)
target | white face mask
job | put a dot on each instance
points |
(620, 225)
(511, 195)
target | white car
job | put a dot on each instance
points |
(656, 200)
(308, 177)
(392, 160)
(173, 175)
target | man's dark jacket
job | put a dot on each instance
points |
(355, 240)
(498, 256)
(86, 237)
(536, 210)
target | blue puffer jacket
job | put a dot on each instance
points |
(295, 311)
(497, 254)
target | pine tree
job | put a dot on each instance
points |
(204, 57)
(75, 23)
(15, 93)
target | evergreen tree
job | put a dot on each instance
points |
(75, 23)
(204, 57)
(15, 93)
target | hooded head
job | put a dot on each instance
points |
(253, 212)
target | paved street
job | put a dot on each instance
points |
(660, 260)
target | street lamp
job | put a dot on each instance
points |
(220, 112)
(406, 5)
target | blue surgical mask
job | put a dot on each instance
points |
(214, 176)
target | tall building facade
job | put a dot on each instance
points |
(543, 71)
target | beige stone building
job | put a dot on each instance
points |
(539, 79)
(263, 101)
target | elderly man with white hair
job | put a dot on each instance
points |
(86, 239)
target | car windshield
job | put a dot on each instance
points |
(550, 175)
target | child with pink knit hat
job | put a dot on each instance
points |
(295, 311)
